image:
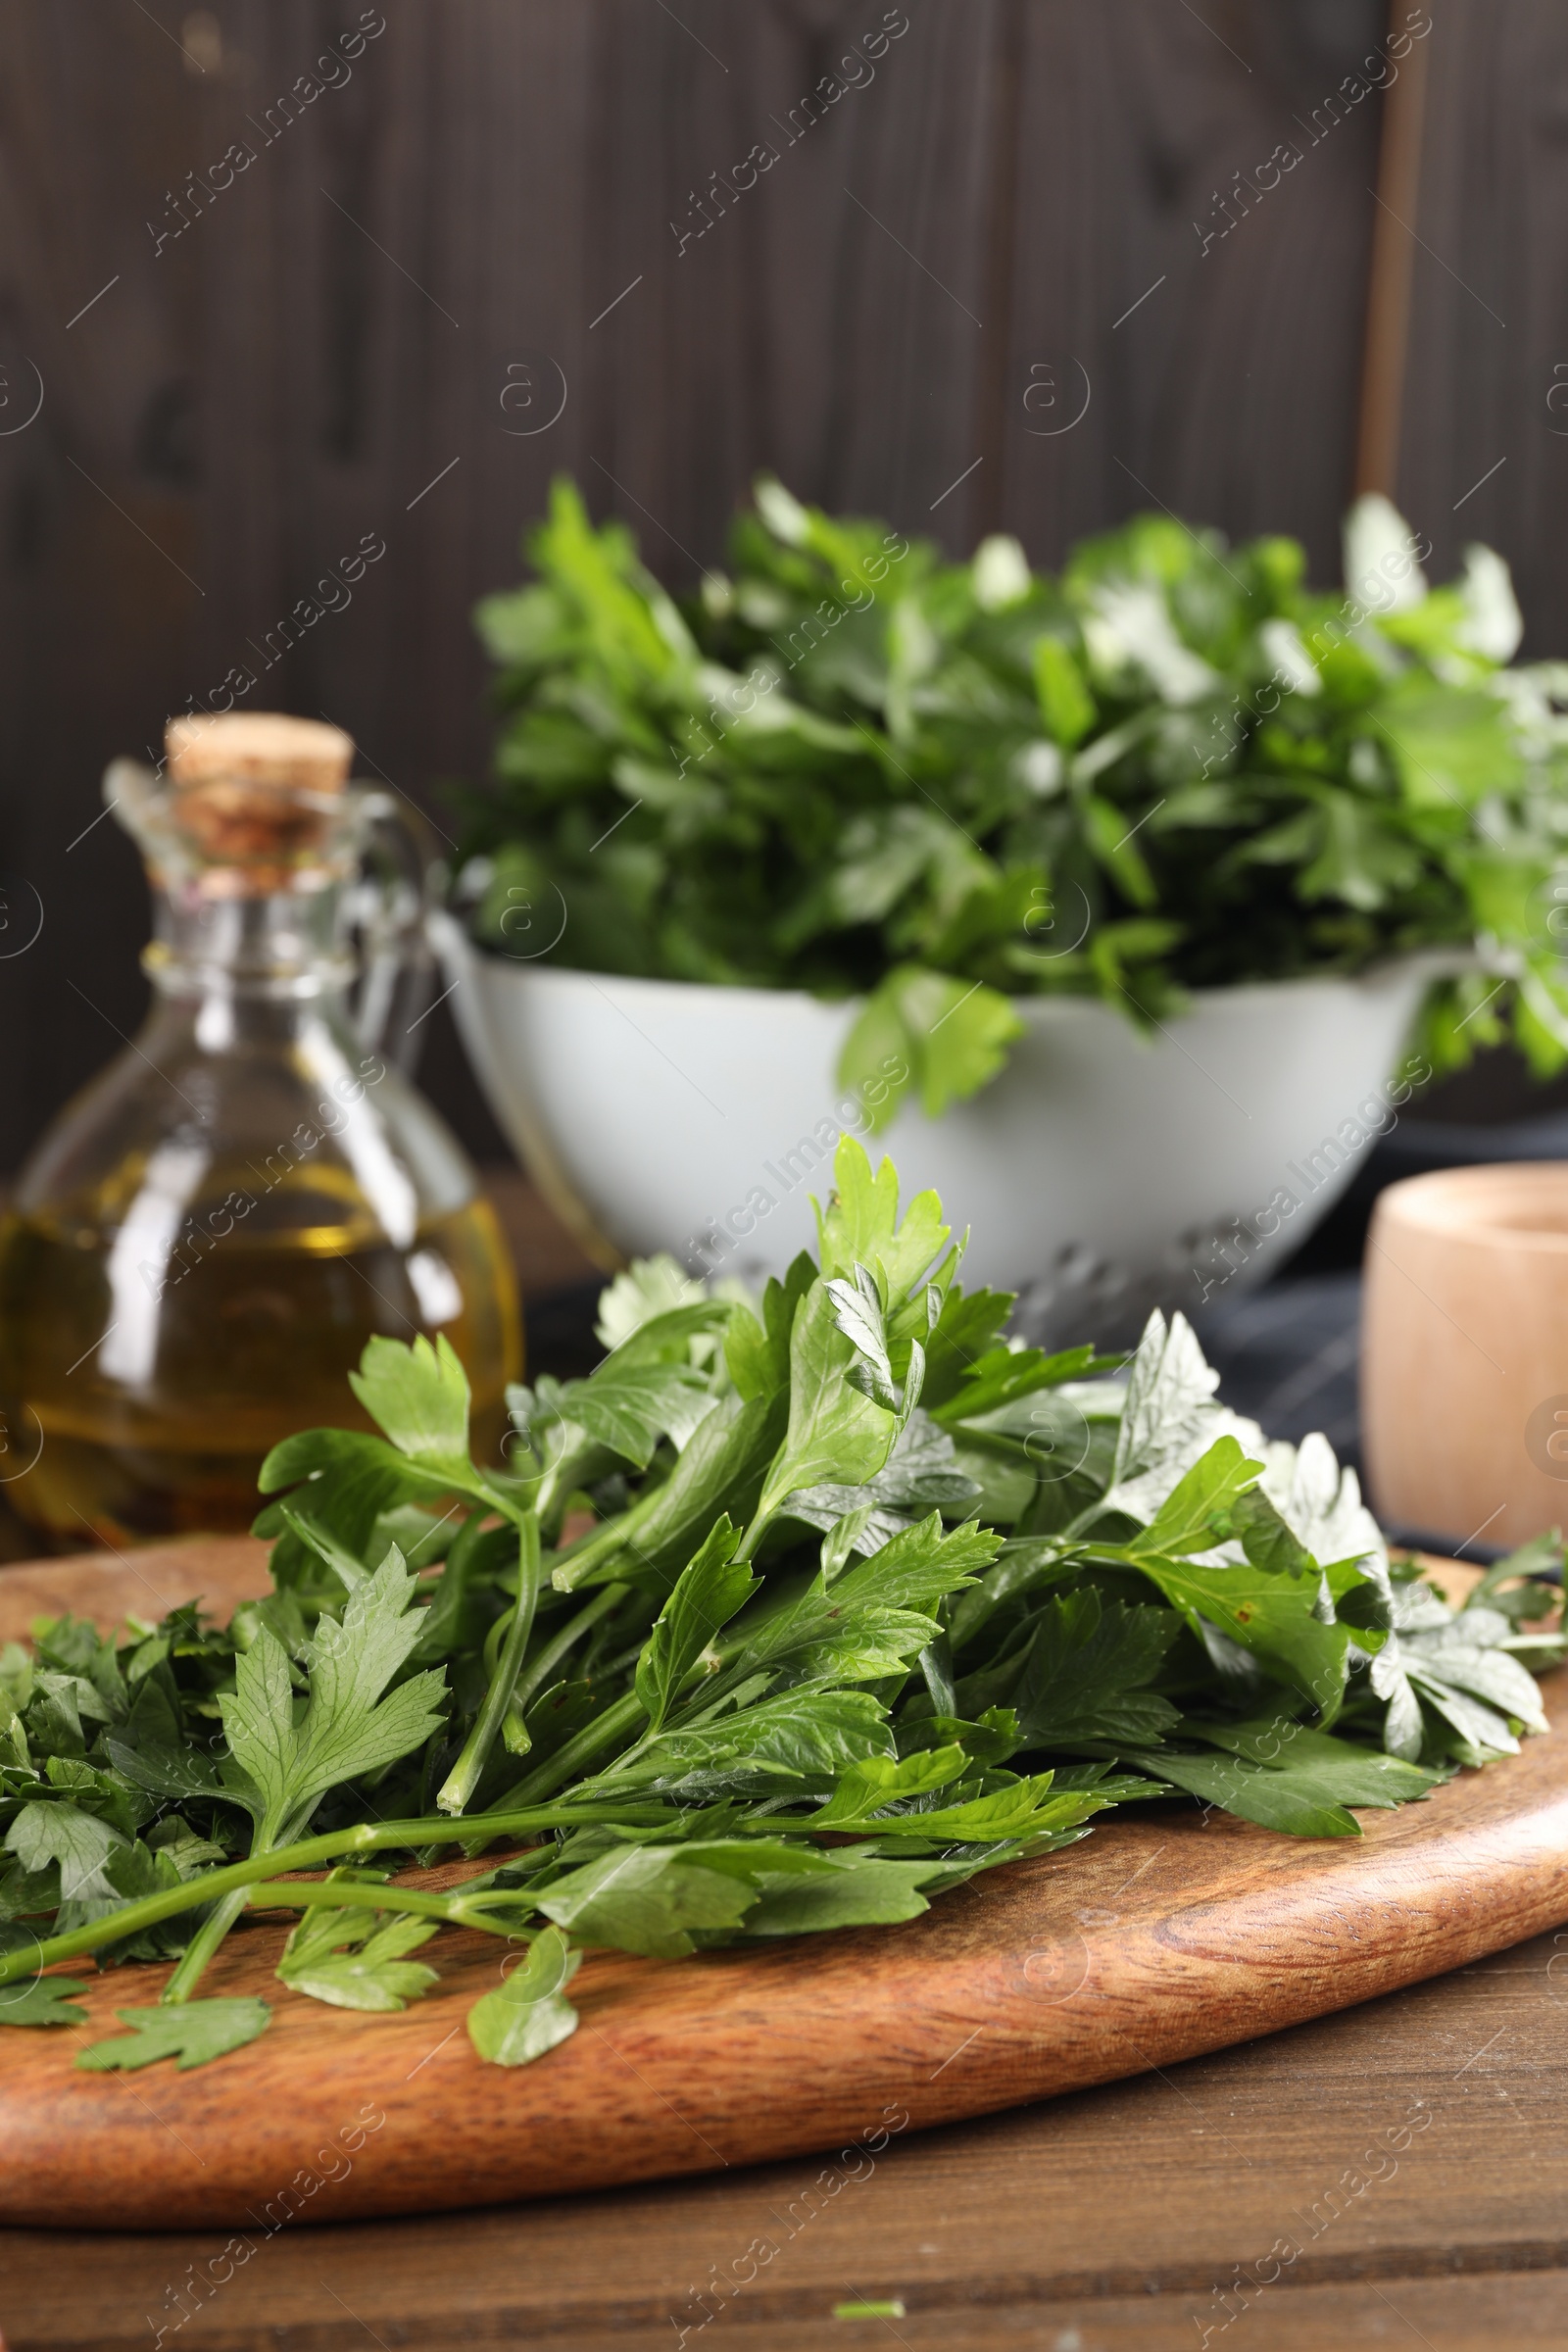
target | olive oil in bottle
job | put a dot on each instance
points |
(203, 1243)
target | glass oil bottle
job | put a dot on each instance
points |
(199, 1248)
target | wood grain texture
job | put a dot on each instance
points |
(1487, 376)
(1397, 195)
(242, 403)
(1221, 333)
(1157, 1938)
(1122, 2214)
(109, 1587)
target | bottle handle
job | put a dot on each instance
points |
(385, 909)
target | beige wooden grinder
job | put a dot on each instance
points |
(1464, 1358)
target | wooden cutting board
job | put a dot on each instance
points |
(1156, 1938)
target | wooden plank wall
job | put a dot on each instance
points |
(1003, 219)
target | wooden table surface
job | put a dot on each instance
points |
(1395, 2175)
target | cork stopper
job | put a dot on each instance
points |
(254, 785)
(265, 748)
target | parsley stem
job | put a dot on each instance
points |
(589, 1553)
(310, 1853)
(203, 1945)
(201, 1948)
(465, 1776)
(458, 1909)
(606, 1731)
(534, 1674)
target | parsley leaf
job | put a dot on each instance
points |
(862, 1227)
(191, 2034)
(62, 1833)
(835, 1434)
(529, 2014)
(1086, 1673)
(352, 1723)
(707, 1595)
(46, 2002)
(418, 1394)
(357, 1959)
(651, 1899)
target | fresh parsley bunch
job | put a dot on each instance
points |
(851, 767)
(842, 1559)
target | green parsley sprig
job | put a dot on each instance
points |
(843, 1562)
(851, 767)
